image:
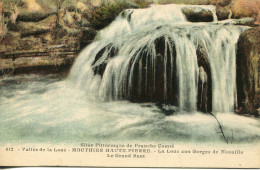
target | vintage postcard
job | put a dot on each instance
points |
(130, 83)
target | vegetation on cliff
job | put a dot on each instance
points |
(103, 15)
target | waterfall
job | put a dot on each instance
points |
(150, 55)
(147, 77)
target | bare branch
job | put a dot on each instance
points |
(220, 128)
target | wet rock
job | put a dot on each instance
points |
(248, 71)
(245, 21)
(204, 102)
(100, 63)
(158, 83)
(165, 89)
(197, 14)
(148, 81)
(202, 91)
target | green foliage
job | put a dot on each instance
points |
(105, 14)
(142, 3)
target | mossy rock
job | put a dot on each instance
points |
(248, 71)
(26, 16)
(197, 14)
(34, 28)
(102, 16)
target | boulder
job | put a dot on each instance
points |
(248, 21)
(81, 7)
(246, 8)
(248, 71)
(28, 16)
(68, 19)
(100, 66)
(96, 3)
(155, 87)
(223, 3)
(33, 28)
(197, 14)
(31, 5)
(220, 3)
(204, 102)
(223, 13)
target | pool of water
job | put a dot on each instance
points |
(49, 109)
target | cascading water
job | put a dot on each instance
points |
(143, 65)
(150, 55)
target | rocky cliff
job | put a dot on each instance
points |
(38, 37)
(248, 72)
